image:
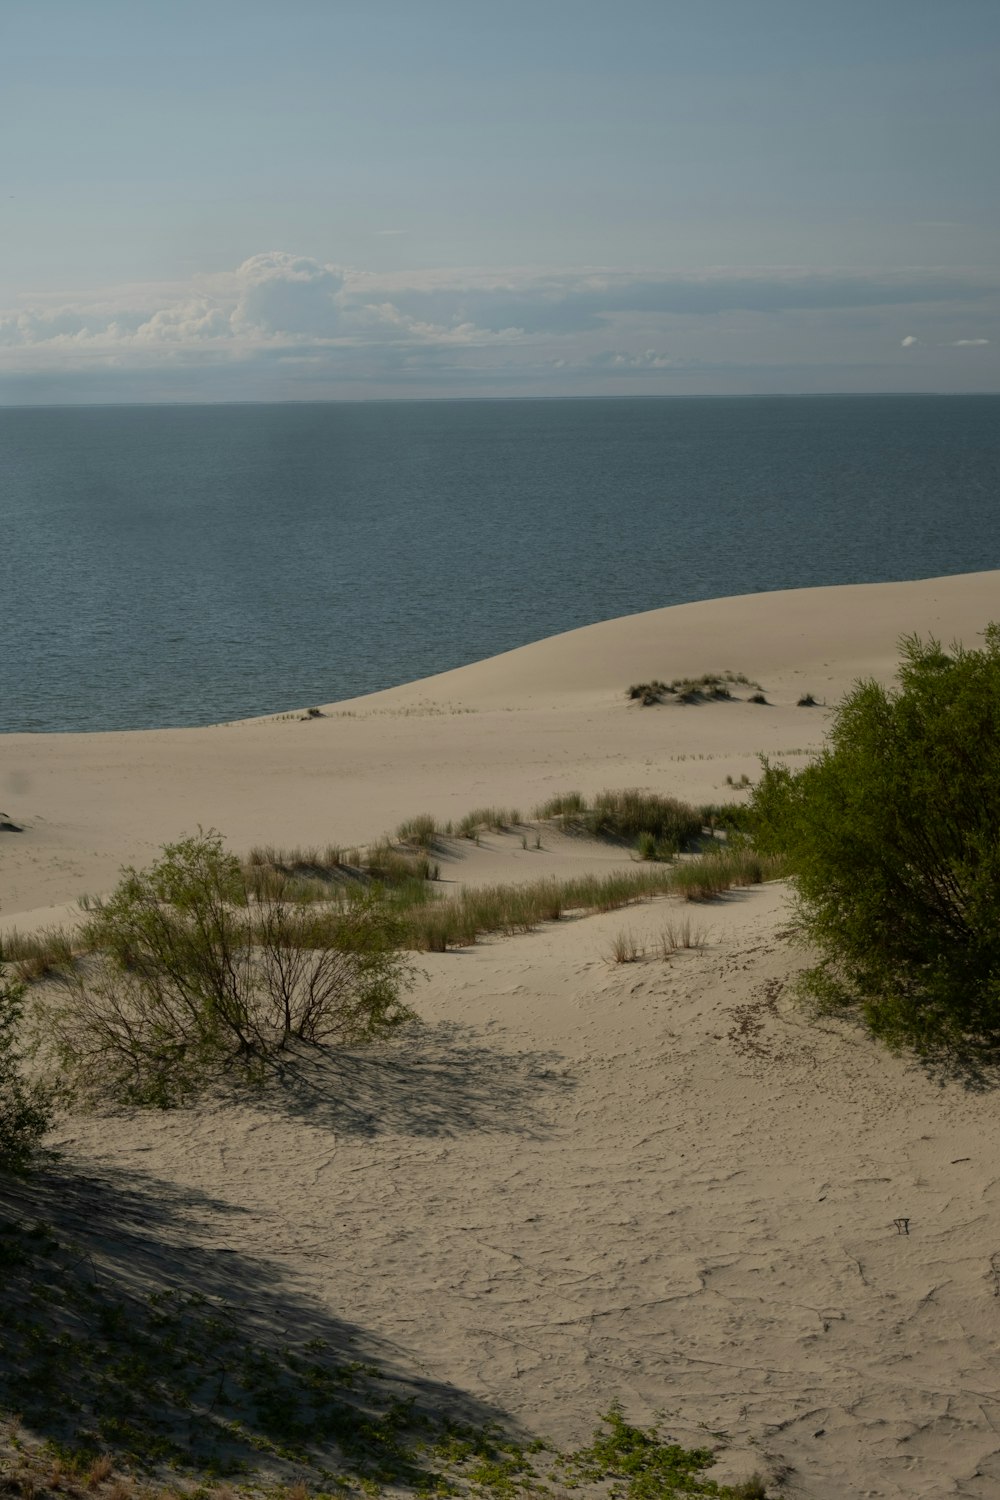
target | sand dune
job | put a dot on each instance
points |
(513, 730)
(579, 1181)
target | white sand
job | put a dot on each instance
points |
(581, 1181)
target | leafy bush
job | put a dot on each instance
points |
(198, 975)
(892, 835)
(25, 1108)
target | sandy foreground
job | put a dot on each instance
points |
(579, 1181)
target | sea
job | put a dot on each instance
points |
(179, 565)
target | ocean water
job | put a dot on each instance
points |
(184, 565)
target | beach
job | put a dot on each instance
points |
(577, 1182)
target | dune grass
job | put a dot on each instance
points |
(39, 955)
(658, 826)
(488, 819)
(723, 869)
(709, 687)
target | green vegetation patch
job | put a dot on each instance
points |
(893, 838)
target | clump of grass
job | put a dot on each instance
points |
(566, 805)
(806, 701)
(648, 693)
(394, 867)
(629, 814)
(422, 831)
(315, 875)
(36, 955)
(713, 874)
(740, 785)
(757, 698)
(649, 847)
(680, 934)
(710, 686)
(626, 948)
(491, 819)
(482, 911)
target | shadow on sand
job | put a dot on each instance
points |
(438, 1080)
(125, 1329)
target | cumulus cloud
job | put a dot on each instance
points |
(287, 294)
(909, 341)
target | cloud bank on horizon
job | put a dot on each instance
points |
(283, 326)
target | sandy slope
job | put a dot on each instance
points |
(581, 1181)
(512, 730)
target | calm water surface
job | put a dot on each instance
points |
(182, 565)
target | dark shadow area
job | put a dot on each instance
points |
(132, 1324)
(975, 1064)
(432, 1081)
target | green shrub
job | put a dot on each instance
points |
(25, 1108)
(892, 835)
(199, 973)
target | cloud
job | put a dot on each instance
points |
(287, 294)
(968, 343)
(322, 325)
(583, 301)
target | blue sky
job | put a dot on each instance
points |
(363, 198)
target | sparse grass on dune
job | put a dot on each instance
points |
(710, 686)
(628, 815)
(721, 870)
(505, 910)
(422, 831)
(38, 955)
(489, 819)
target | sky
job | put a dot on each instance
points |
(232, 200)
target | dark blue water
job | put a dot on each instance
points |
(182, 565)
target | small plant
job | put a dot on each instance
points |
(35, 955)
(198, 975)
(625, 948)
(566, 805)
(25, 1108)
(680, 934)
(713, 874)
(643, 1466)
(649, 847)
(422, 831)
(757, 698)
(648, 693)
(481, 818)
(99, 1471)
(806, 701)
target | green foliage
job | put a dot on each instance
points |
(25, 1108)
(642, 1466)
(627, 815)
(893, 835)
(200, 971)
